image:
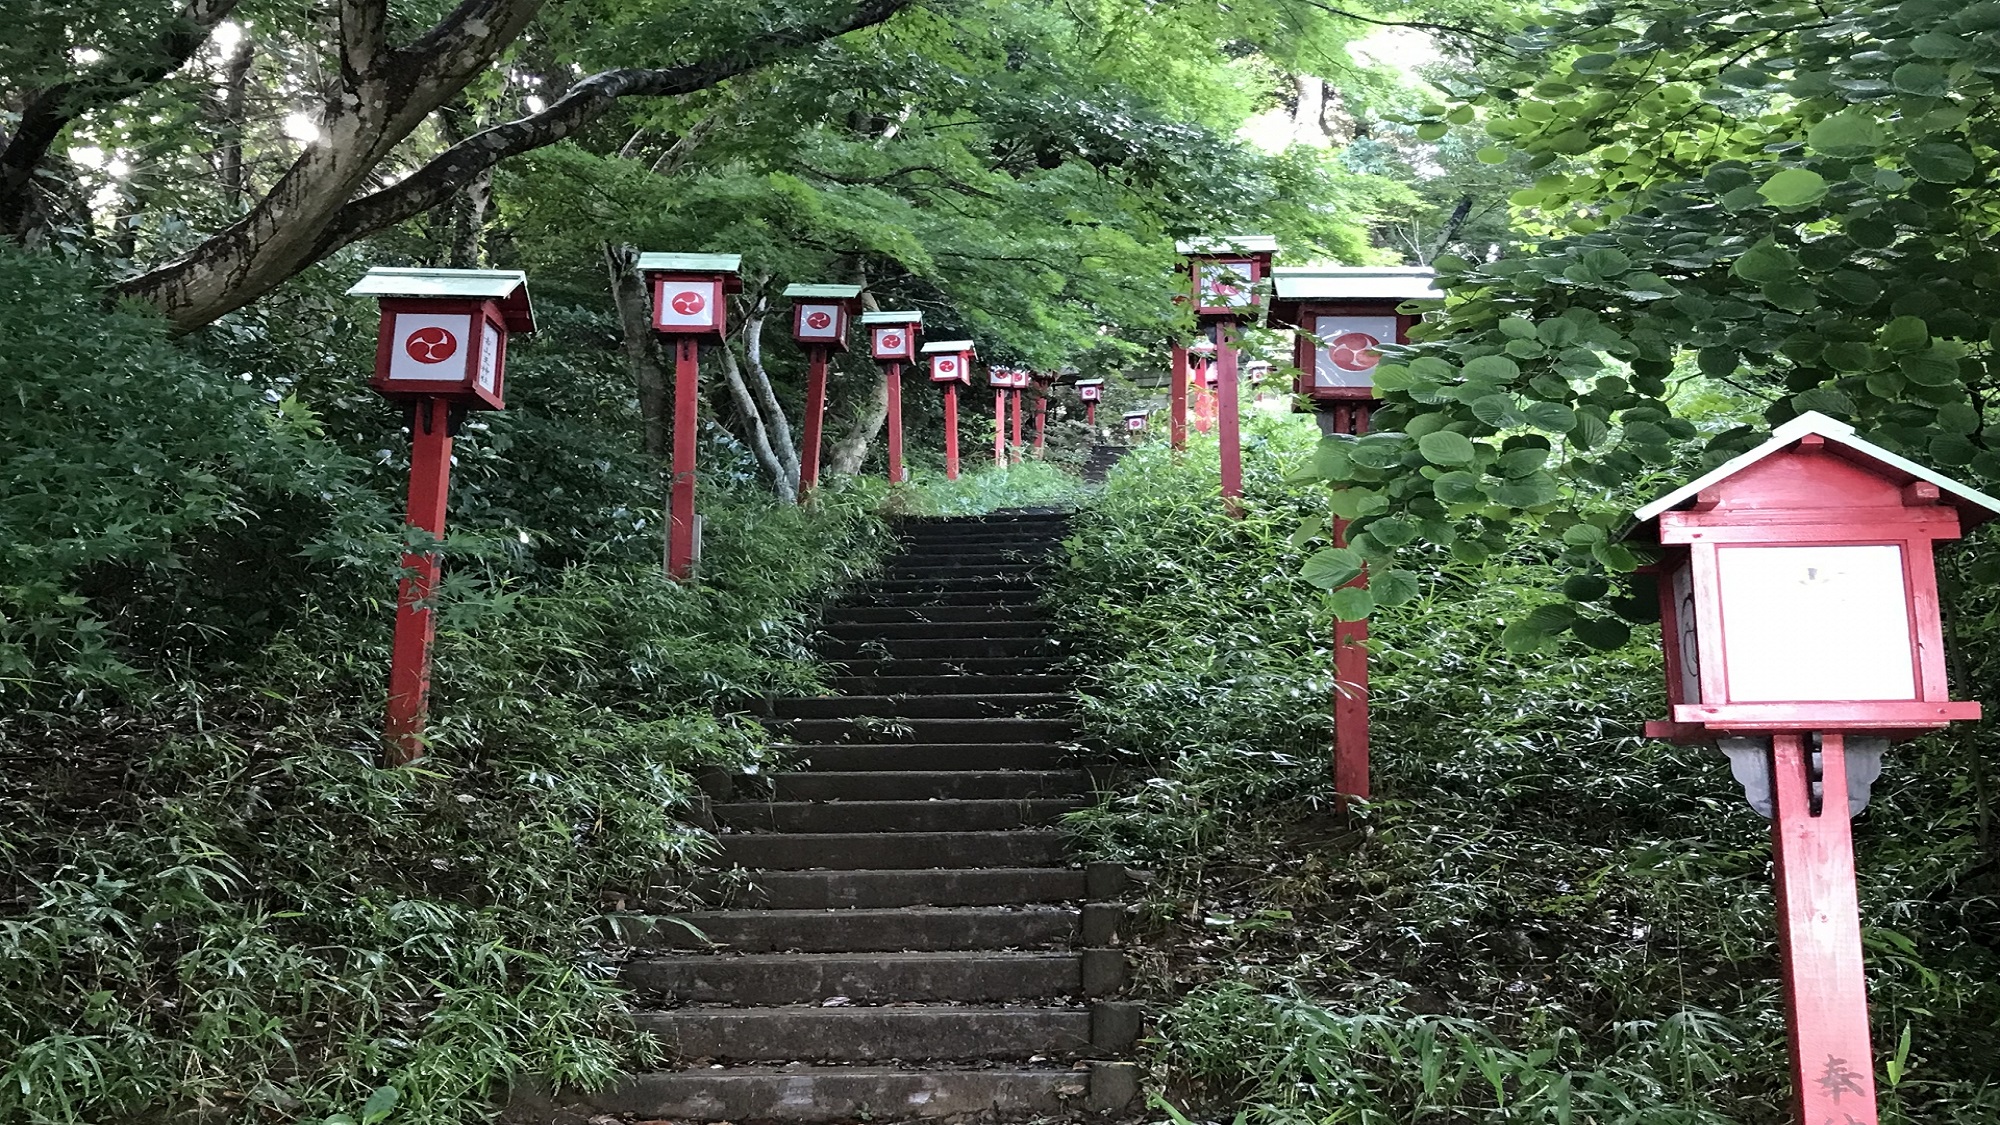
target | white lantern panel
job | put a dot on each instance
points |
(819, 322)
(947, 367)
(686, 305)
(1225, 284)
(892, 341)
(489, 356)
(430, 346)
(1347, 355)
(1816, 623)
(1682, 590)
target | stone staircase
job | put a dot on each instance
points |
(1101, 460)
(906, 936)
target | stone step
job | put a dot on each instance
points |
(925, 785)
(873, 978)
(853, 851)
(973, 886)
(959, 666)
(946, 685)
(861, 631)
(962, 594)
(980, 582)
(872, 1034)
(812, 817)
(866, 730)
(906, 567)
(975, 554)
(934, 648)
(826, 1095)
(971, 705)
(860, 930)
(903, 615)
(927, 756)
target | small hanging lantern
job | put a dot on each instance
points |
(443, 333)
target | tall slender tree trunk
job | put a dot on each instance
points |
(229, 111)
(870, 413)
(642, 351)
(759, 435)
(767, 398)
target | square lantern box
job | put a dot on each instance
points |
(1010, 378)
(820, 314)
(1135, 420)
(1226, 272)
(892, 335)
(1343, 314)
(1090, 390)
(444, 332)
(689, 291)
(951, 361)
(1798, 589)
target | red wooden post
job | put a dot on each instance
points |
(892, 374)
(680, 532)
(1090, 413)
(1177, 398)
(815, 416)
(1226, 411)
(1819, 935)
(1016, 408)
(951, 431)
(1000, 426)
(1041, 419)
(416, 623)
(1350, 695)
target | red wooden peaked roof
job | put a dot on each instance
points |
(1973, 507)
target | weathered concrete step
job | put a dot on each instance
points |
(846, 931)
(930, 630)
(964, 594)
(893, 816)
(1025, 847)
(827, 1095)
(946, 685)
(870, 1034)
(874, 978)
(974, 886)
(924, 785)
(867, 730)
(974, 554)
(976, 704)
(958, 666)
(933, 648)
(928, 756)
(913, 614)
(916, 569)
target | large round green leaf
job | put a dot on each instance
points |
(1942, 163)
(1331, 567)
(1794, 188)
(1447, 448)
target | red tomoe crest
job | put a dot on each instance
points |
(430, 345)
(947, 365)
(1355, 351)
(891, 341)
(818, 320)
(689, 302)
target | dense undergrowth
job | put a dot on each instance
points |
(1543, 916)
(213, 906)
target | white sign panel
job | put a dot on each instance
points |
(430, 346)
(819, 322)
(686, 304)
(1225, 284)
(947, 367)
(1816, 623)
(1347, 355)
(1690, 640)
(489, 356)
(892, 341)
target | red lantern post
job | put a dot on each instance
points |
(1201, 383)
(1342, 316)
(951, 368)
(442, 348)
(1042, 383)
(1800, 622)
(819, 323)
(1091, 391)
(1019, 388)
(892, 340)
(1225, 276)
(690, 300)
(1135, 421)
(1177, 397)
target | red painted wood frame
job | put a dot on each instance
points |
(680, 494)
(999, 426)
(1018, 391)
(1351, 765)
(830, 336)
(1177, 397)
(1041, 417)
(416, 623)
(951, 431)
(462, 385)
(1693, 538)
(707, 293)
(815, 419)
(1090, 412)
(1253, 269)
(1305, 352)
(892, 385)
(1228, 418)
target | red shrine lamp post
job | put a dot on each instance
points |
(1177, 396)
(951, 368)
(690, 300)
(1135, 421)
(1225, 276)
(1042, 384)
(1001, 379)
(892, 341)
(1342, 316)
(1800, 623)
(441, 348)
(819, 323)
(1090, 392)
(1201, 382)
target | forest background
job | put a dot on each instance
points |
(1662, 227)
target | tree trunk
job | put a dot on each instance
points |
(469, 224)
(767, 399)
(229, 112)
(759, 435)
(871, 411)
(1309, 119)
(642, 351)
